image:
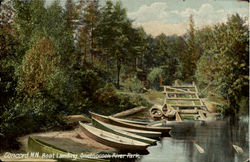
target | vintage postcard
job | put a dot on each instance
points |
(124, 80)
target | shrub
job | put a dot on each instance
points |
(109, 101)
(29, 115)
(153, 77)
(132, 84)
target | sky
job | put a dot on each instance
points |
(172, 16)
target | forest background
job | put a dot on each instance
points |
(61, 60)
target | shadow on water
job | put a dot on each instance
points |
(216, 138)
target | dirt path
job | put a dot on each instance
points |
(154, 97)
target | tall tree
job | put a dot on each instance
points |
(190, 55)
(160, 50)
(33, 20)
(227, 59)
(70, 24)
(70, 15)
(89, 18)
(55, 26)
(6, 30)
(39, 62)
(112, 35)
(167, 51)
(8, 45)
(138, 43)
(30, 15)
(148, 61)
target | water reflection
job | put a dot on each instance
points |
(215, 138)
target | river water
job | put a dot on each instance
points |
(203, 142)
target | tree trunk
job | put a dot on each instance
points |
(92, 57)
(136, 62)
(118, 73)
(91, 46)
(85, 51)
(160, 80)
(142, 62)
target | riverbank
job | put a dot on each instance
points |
(71, 140)
(74, 140)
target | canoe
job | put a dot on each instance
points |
(167, 124)
(163, 130)
(136, 122)
(116, 130)
(106, 120)
(132, 121)
(149, 134)
(36, 145)
(113, 140)
(176, 123)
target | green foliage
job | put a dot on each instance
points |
(56, 28)
(8, 80)
(43, 74)
(29, 114)
(190, 55)
(160, 49)
(70, 15)
(43, 111)
(137, 47)
(243, 102)
(166, 52)
(132, 84)
(109, 101)
(7, 39)
(57, 61)
(224, 64)
(154, 77)
(38, 63)
(89, 19)
(29, 20)
(112, 34)
(148, 58)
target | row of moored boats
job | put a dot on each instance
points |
(125, 135)
(121, 134)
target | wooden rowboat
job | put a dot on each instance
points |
(36, 145)
(99, 117)
(140, 122)
(106, 119)
(113, 140)
(163, 130)
(149, 134)
(116, 130)
(136, 122)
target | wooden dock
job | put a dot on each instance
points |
(183, 99)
